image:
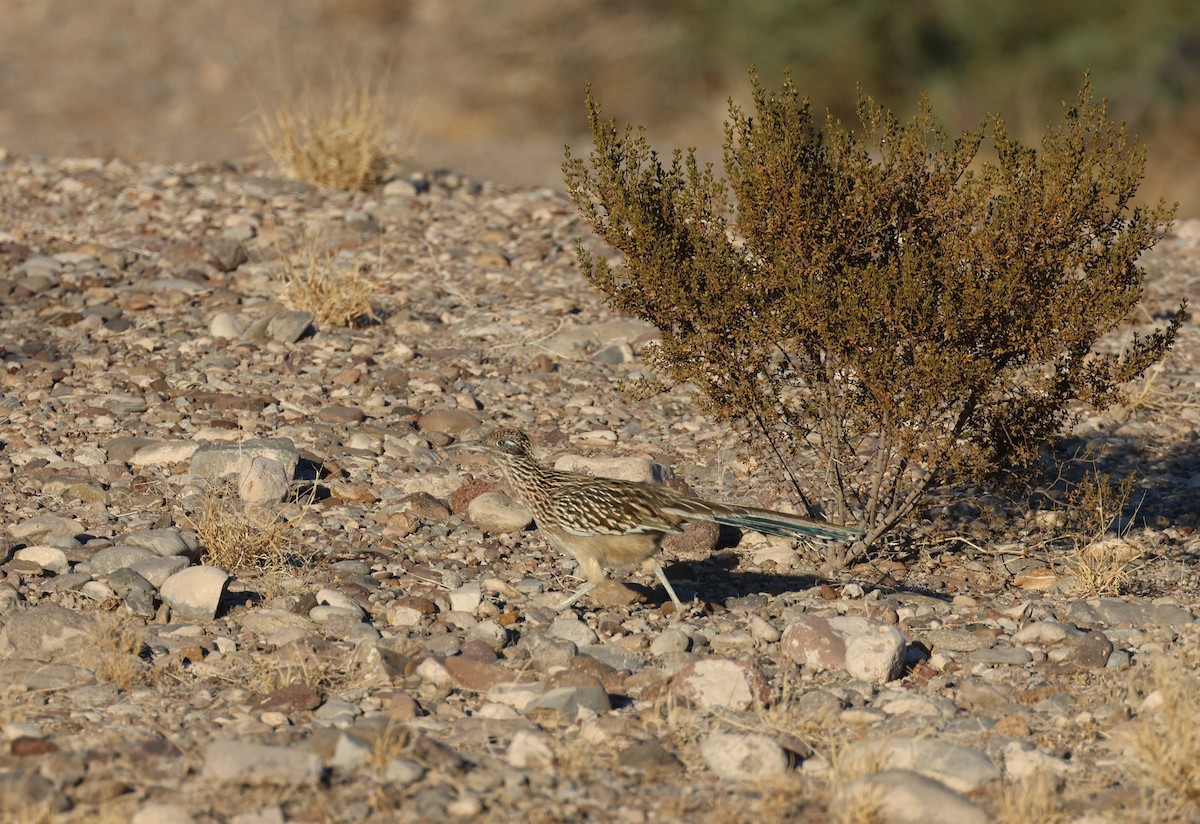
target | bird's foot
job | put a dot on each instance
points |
(662, 576)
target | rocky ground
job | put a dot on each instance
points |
(178, 646)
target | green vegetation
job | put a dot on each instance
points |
(1020, 56)
(878, 310)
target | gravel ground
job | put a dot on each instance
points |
(389, 648)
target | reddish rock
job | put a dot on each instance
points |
(478, 675)
(450, 421)
(292, 698)
(698, 539)
(353, 493)
(340, 414)
(813, 642)
(588, 664)
(572, 678)
(461, 498)
(421, 605)
(400, 706)
(477, 650)
(24, 746)
(1092, 650)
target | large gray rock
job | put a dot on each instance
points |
(877, 655)
(241, 762)
(712, 683)
(529, 750)
(164, 453)
(498, 514)
(1134, 611)
(44, 632)
(743, 756)
(961, 768)
(41, 528)
(47, 557)
(263, 481)
(195, 593)
(625, 469)
(866, 649)
(288, 326)
(37, 676)
(158, 570)
(905, 797)
(110, 559)
(220, 460)
(588, 693)
(164, 542)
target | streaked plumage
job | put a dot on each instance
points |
(607, 523)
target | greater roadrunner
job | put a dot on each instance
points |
(603, 522)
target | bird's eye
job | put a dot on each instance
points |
(508, 442)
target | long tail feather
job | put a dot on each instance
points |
(765, 521)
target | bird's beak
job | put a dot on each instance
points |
(465, 446)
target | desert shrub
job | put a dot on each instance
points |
(873, 303)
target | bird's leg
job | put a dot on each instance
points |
(662, 576)
(588, 565)
(583, 590)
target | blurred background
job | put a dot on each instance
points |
(495, 88)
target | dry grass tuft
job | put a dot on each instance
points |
(339, 140)
(1032, 801)
(1153, 395)
(336, 295)
(1102, 565)
(289, 665)
(1102, 558)
(389, 743)
(237, 537)
(1167, 739)
(860, 757)
(111, 650)
(1107, 567)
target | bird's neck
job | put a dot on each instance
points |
(529, 480)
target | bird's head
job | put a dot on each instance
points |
(501, 444)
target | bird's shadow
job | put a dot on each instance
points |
(715, 580)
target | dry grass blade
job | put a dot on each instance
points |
(335, 295)
(340, 141)
(1167, 738)
(1107, 567)
(388, 744)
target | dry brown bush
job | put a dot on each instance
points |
(877, 310)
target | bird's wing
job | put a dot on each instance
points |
(593, 506)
